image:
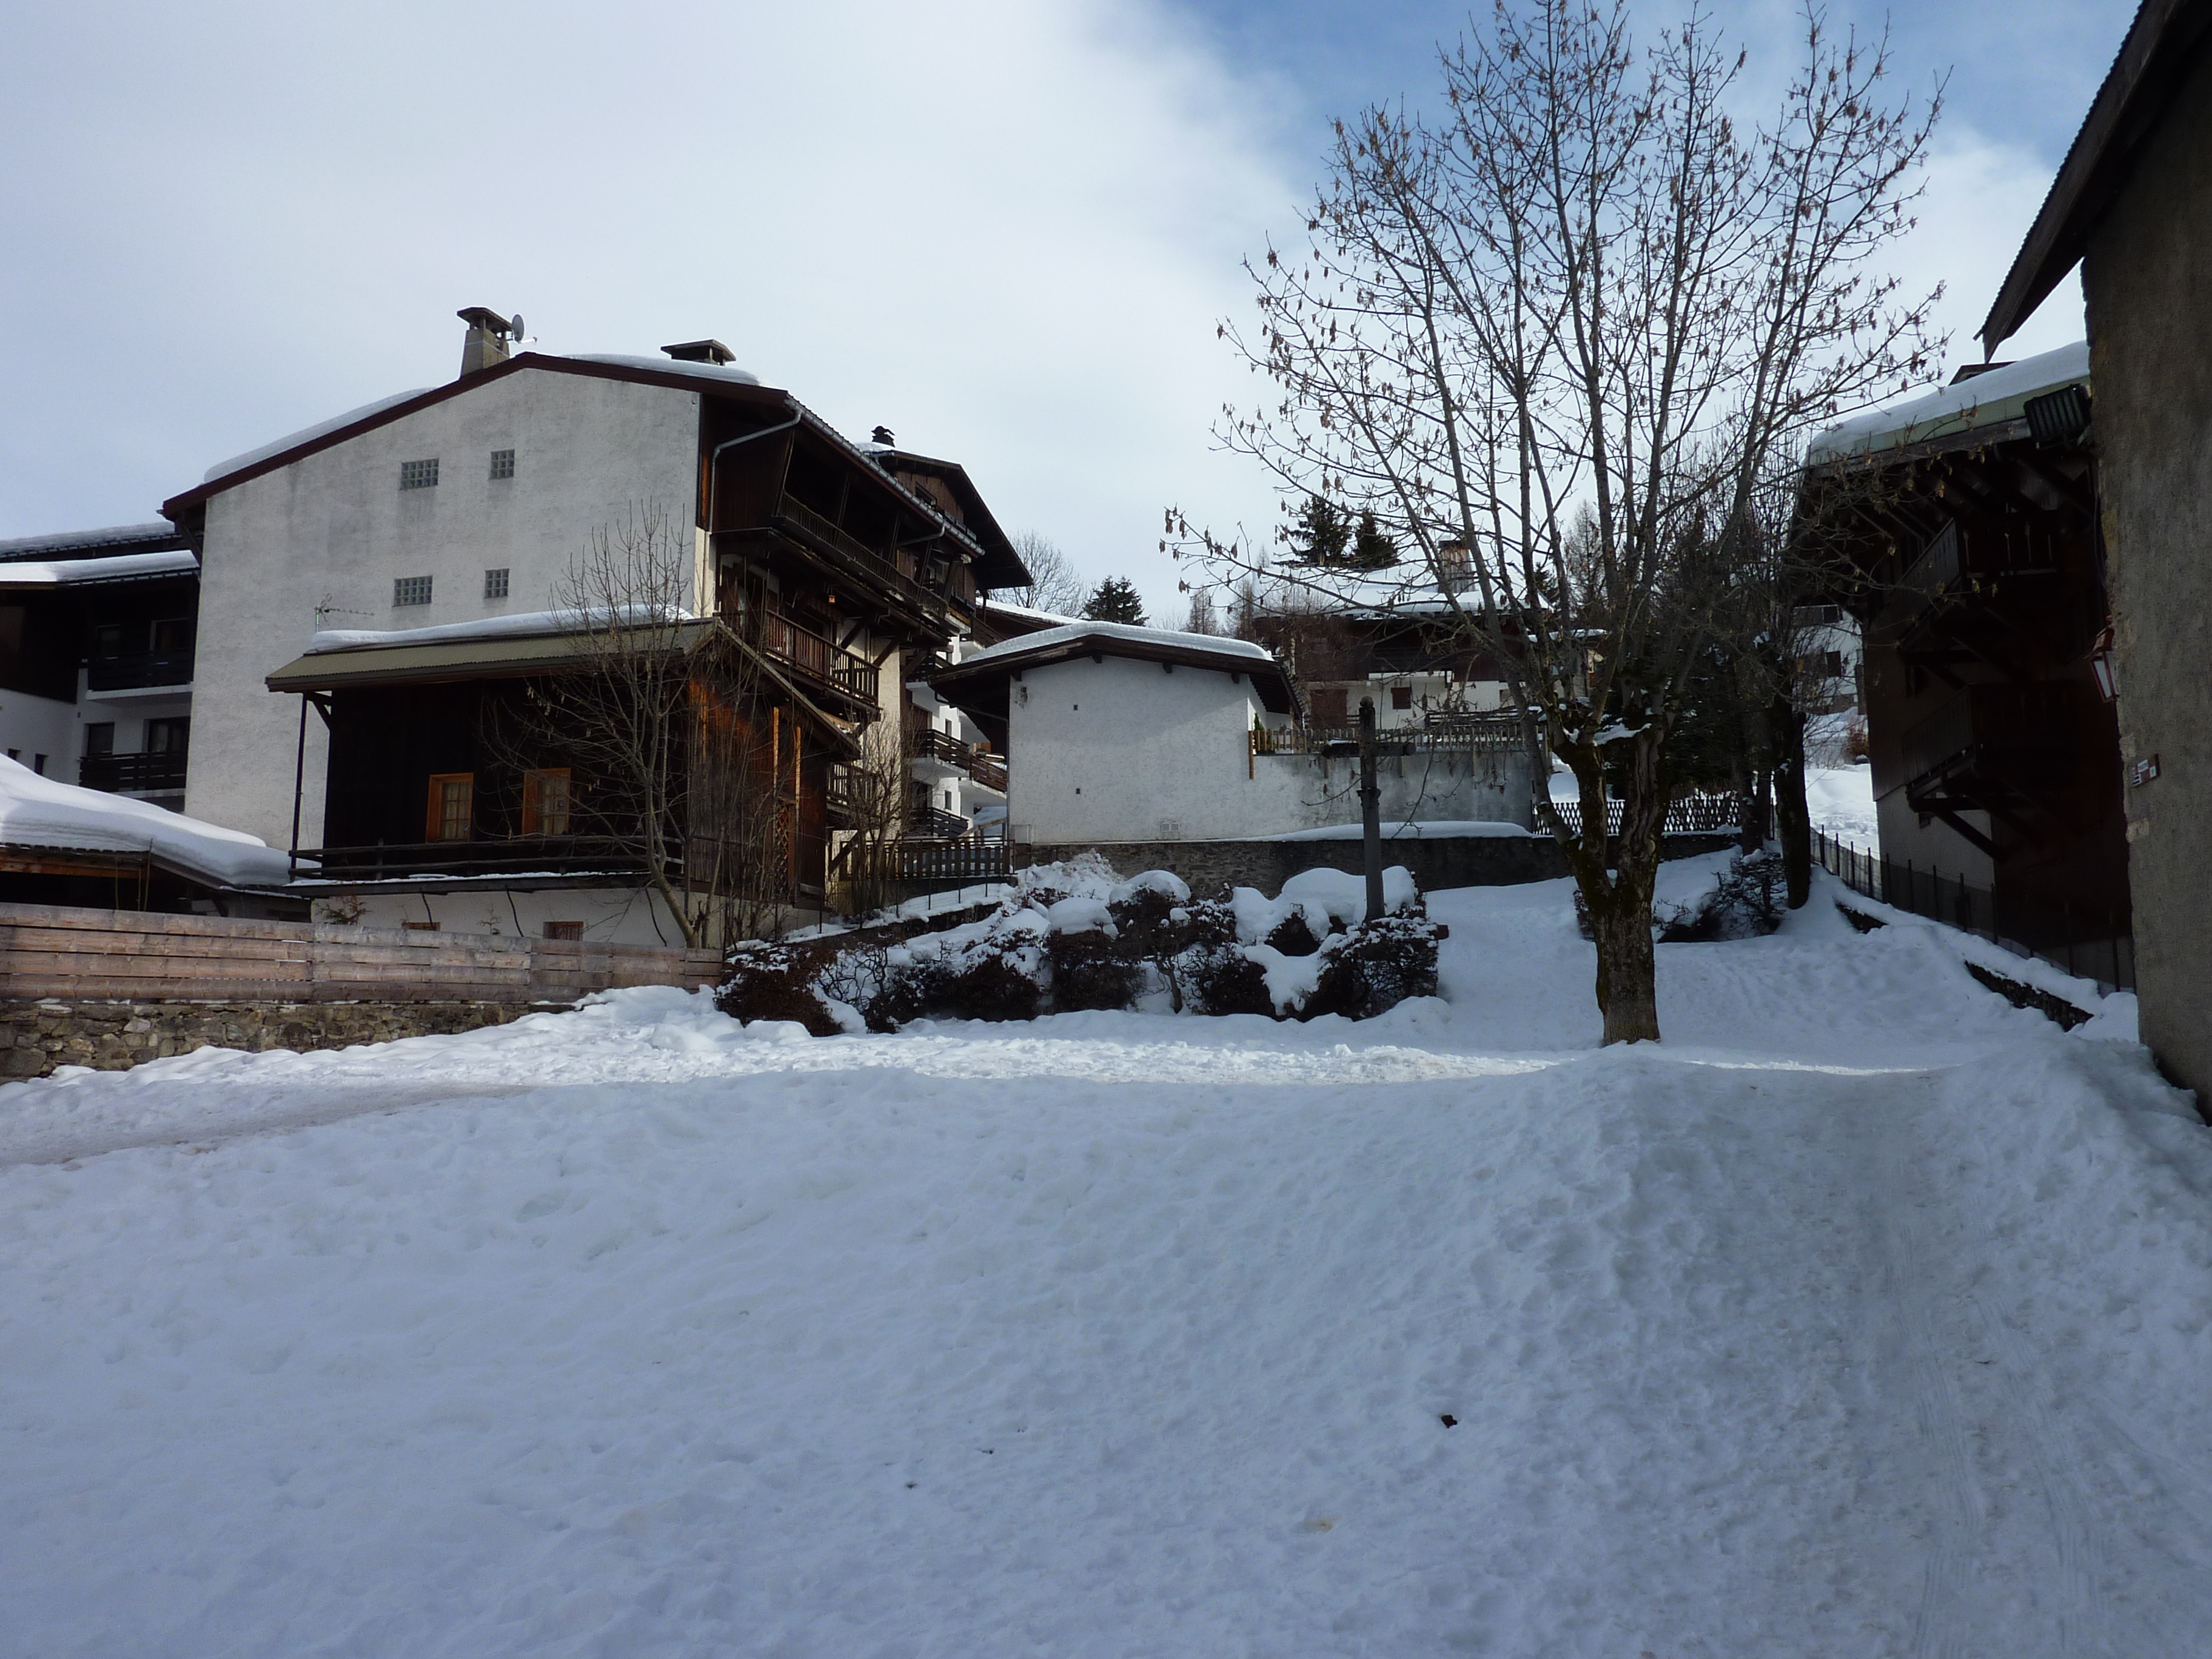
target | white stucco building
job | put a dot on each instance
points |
(1118, 734)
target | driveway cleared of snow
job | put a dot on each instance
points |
(1865, 1315)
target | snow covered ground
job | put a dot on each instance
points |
(1841, 801)
(1866, 1315)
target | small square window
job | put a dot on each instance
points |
(496, 584)
(1402, 696)
(502, 464)
(411, 590)
(418, 474)
(564, 930)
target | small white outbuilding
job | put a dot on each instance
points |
(1118, 733)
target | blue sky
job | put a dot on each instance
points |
(1005, 228)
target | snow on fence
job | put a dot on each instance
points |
(1691, 815)
(2090, 944)
(70, 953)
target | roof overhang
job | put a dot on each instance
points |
(446, 662)
(982, 682)
(2157, 53)
(677, 377)
(430, 663)
(1988, 408)
(43, 575)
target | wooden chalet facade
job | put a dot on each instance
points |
(1965, 525)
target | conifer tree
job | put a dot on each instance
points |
(1321, 533)
(1116, 601)
(1370, 549)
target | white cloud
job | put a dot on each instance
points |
(1004, 230)
(1981, 198)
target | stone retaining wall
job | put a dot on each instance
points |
(35, 1037)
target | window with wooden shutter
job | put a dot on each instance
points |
(1329, 706)
(545, 801)
(452, 806)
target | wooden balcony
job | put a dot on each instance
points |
(811, 656)
(976, 761)
(139, 670)
(147, 775)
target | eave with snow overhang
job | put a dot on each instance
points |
(1985, 408)
(982, 684)
(748, 411)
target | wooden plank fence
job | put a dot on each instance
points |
(85, 955)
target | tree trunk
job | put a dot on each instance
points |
(1628, 974)
(1793, 818)
(1756, 813)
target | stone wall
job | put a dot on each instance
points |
(35, 1037)
(1435, 862)
(2147, 281)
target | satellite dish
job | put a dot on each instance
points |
(515, 326)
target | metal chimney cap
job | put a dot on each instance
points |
(701, 352)
(485, 317)
(882, 435)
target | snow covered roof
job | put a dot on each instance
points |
(77, 572)
(1022, 613)
(1111, 636)
(1997, 398)
(532, 642)
(36, 812)
(64, 544)
(521, 624)
(978, 684)
(727, 373)
(309, 434)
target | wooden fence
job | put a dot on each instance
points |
(62, 951)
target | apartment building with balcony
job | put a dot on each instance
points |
(97, 659)
(375, 585)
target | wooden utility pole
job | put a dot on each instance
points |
(1370, 809)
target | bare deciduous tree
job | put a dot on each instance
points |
(671, 757)
(1557, 341)
(1055, 585)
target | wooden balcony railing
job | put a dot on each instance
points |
(154, 774)
(813, 656)
(138, 669)
(899, 569)
(977, 762)
(1484, 734)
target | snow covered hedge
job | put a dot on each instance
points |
(1072, 936)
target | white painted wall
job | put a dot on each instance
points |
(32, 725)
(611, 915)
(1121, 751)
(334, 530)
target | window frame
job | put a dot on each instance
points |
(403, 587)
(533, 806)
(435, 817)
(498, 457)
(498, 581)
(419, 475)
